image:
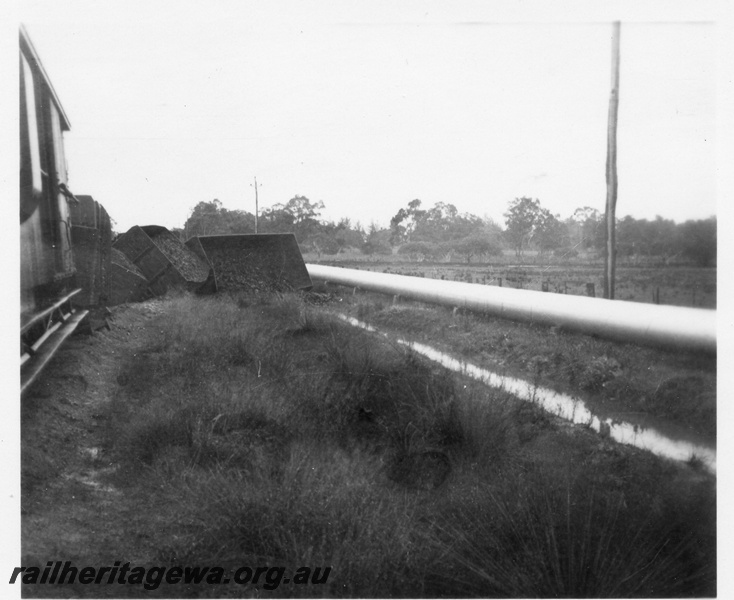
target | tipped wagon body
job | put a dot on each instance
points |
(163, 259)
(266, 262)
(127, 282)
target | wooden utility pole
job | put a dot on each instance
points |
(610, 250)
(256, 207)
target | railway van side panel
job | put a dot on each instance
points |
(47, 266)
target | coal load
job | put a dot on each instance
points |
(164, 260)
(232, 273)
(188, 264)
(260, 263)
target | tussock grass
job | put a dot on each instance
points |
(278, 435)
(486, 427)
(326, 508)
(571, 540)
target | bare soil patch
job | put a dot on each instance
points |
(71, 506)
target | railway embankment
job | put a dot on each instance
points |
(240, 430)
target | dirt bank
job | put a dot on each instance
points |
(71, 509)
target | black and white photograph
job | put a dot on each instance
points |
(366, 299)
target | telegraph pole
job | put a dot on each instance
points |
(610, 247)
(256, 207)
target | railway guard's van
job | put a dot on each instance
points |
(47, 282)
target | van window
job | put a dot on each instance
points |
(31, 155)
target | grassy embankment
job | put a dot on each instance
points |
(278, 436)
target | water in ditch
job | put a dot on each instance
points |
(566, 406)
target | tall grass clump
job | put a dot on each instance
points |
(326, 509)
(486, 426)
(537, 538)
(372, 391)
(206, 368)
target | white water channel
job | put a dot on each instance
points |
(563, 405)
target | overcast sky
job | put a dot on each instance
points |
(366, 106)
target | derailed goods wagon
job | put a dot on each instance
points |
(252, 263)
(163, 259)
(127, 282)
(91, 237)
(259, 263)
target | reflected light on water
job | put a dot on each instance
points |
(563, 405)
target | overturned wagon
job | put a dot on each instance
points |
(258, 263)
(162, 258)
(127, 282)
(253, 263)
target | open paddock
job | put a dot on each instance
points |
(674, 285)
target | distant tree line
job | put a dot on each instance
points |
(530, 226)
(441, 232)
